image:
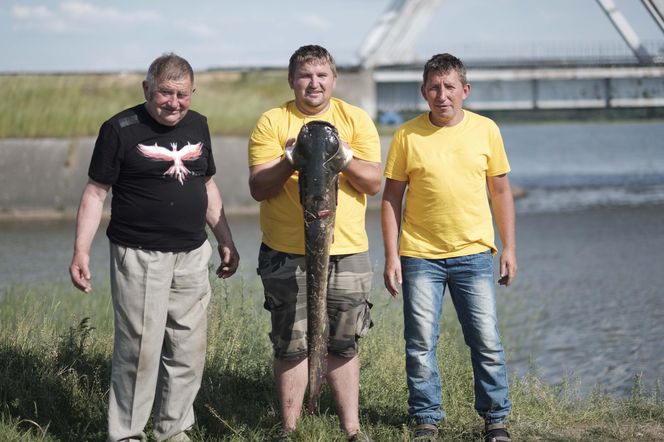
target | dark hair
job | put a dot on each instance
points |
(443, 64)
(310, 53)
(168, 67)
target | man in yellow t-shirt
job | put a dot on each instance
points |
(447, 158)
(312, 77)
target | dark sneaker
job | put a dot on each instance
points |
(496, 432)
(360, 437)
(425, 433)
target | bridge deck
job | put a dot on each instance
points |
(532, 87)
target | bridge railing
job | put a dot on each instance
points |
(553, 53)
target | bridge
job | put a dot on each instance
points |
(629, 78)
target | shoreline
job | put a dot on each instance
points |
(69, 214)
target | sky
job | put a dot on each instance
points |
(126, 35)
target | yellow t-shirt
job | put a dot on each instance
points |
(281, 217)
(447, 211)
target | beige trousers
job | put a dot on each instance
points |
(160, 303)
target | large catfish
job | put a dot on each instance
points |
(318, 155)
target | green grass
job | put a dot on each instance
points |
(71, 105)
(55, 349)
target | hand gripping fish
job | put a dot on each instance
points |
(318, 155)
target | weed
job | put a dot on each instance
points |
(55, 373)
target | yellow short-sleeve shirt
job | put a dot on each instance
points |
(447, 212)
(281, 217)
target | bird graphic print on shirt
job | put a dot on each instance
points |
(178, 170)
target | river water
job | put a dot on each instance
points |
(588, 302)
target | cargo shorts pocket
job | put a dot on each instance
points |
(364, 322)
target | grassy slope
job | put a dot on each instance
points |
(55, 368)
(76, 105)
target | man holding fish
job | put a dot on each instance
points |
(281, 264)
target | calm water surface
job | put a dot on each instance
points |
(588, 302)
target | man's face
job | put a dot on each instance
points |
(170, 100)
(312, 85)
(445, 94)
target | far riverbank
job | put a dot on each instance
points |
(44, 178)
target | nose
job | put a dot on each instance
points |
(173, 101)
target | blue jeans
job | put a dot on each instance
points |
(470, 280)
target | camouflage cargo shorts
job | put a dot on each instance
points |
(348, 306)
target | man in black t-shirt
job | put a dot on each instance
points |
(157, 157)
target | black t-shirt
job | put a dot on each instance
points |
(157, 174)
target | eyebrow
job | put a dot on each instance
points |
(165, 90)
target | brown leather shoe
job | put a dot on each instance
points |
(425, 433)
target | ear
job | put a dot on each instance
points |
(424, 95)
(466, 90)
(290, 82)
(146, 91)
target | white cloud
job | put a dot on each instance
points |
(312, 20)
(201, 30)
(38, 17)
(78, 10)
(78, 17)
(31, 12)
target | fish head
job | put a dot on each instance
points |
(315, 157)
(317, 144)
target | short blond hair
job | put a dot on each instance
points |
(309, 53)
